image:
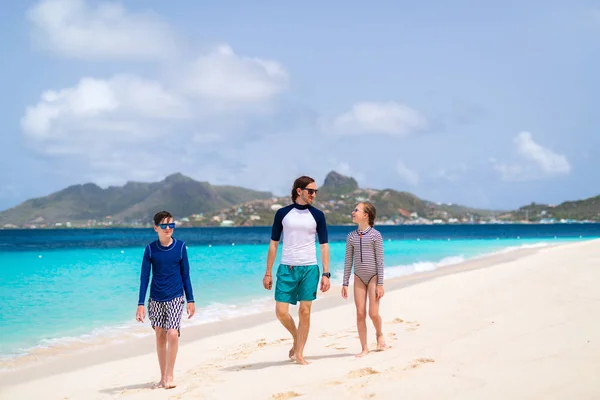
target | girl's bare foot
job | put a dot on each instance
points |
(169, 384)
(381, 343)
(362, 353)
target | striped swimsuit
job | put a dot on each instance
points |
(365, 248)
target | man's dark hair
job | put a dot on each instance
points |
(159, 216)
(300, 183)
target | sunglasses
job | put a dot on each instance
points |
(311, 191)
(357, 210)
(165, 226)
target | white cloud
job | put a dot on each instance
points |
(72, 28)
(539, 162)
(388, 118)
(99, 113)
(408, 175)
(225, 80)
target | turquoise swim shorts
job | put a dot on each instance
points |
(296, 283)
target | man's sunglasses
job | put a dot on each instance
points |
(311, 191)
(165, 226)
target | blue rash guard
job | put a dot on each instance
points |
(170, 272)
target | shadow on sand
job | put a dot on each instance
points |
(268, 364)
(120, 389)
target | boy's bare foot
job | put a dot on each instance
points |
(362, 353)
(381, 343)
(301, 360)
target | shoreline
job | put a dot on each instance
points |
(45, 362)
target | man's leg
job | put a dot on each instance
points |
(286, 293)
(303, 328)
(283, 314)
(308, 283)
(173, 345)
(161, 351)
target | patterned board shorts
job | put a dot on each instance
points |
(166, 314)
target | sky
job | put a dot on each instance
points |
(482, 103)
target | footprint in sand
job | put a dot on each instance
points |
(420, 361)
(359, 373)
(286, 395)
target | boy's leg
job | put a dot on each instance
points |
(374, 314)
(161, 351)
(174, 312)
(286, 292)
(158, 318)
(307, 293)
(360, 300)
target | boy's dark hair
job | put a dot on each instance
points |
(300, 183)
(159, 216)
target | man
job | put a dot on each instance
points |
(167, 258)
(298, 272)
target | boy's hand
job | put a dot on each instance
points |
(191, 309)
(345, 292)
(140, 314)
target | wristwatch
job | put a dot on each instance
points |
(327, 275)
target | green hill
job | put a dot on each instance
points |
(133, 203)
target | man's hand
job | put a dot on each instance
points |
(140, 314)
(191, 309)
(325, 285)
(379, 292)
(268, 281)
(345, 292)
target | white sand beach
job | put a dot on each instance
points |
(520, 325)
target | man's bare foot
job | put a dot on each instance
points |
(158, 385)
(292, 353)
(381, 343)
(301, 360)
(362, 353)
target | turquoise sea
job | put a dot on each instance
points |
(61, 287)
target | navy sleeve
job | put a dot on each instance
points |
(185, 274)
(319, 217)
(278, 225)
(145, 275)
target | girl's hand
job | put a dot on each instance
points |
(379, 292)
(345, 292)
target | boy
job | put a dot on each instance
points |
(168, 260)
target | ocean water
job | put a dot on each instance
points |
(62, 287)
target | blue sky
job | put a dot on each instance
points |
(486, 104)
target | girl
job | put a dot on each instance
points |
(364, 246)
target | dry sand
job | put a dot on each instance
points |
(519, 325)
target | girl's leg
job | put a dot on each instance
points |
(360, 300)
(374, 314)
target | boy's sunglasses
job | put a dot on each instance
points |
(165, 226)
(311, 191)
